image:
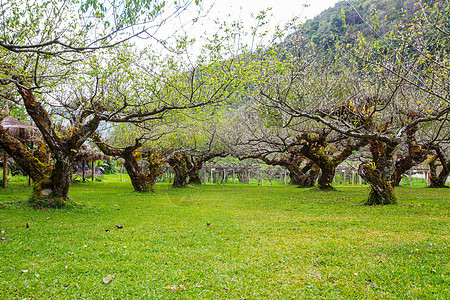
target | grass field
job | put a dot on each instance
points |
(225, 242)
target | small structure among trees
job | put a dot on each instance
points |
(18, 130)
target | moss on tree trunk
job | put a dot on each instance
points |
(142, 182)
(382, 191)
(326, 177)
(50, 185)
(439, 179)
(181, 167)
(54, 191)
(316, 149)
(194, 177)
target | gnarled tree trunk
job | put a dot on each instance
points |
(142, 183)
(380, 174)
(64, 149)
(326, 176)
(438, 180)
(39, 171)
(194, 176)
(196, 163)
(137, 177)
(314, 148)
(194, 172)
(187, 167)
(304, 177)
(181, 167)
(154, 168)
(416, 155)
(382, 190)
(311, 173)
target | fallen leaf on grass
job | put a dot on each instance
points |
(107, 279)
(179, 287)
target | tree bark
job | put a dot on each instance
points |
(181, 167)
(380, 174)
(43, 174)
(93, 170)
(194, 176)
(137, 177)
(416, 155)
(154, 166)
(315, 149)
(194, 173)
(303, 177)
(382, 190)
(5, 169)
(142, 183)
(83, 171)
(326, 176)
(187, 167)
(438, 180)
(196, 164)
(61, 175)
(64, 150)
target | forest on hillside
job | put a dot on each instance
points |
(348, 19)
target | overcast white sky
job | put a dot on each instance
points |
(232, 10)
(282, 10)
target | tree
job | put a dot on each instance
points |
(302, 176)
(383, 93)
(198, 139)
(328, 154)
(274, 137)
(253, 135)
(34, 165)
(64, 29)
(41, 57)
(439, 179)
(143, 180)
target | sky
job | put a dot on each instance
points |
(281, 12)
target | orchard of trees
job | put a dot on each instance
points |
(374, 90)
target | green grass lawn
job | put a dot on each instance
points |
(225, 242)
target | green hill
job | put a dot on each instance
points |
(348, 19)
